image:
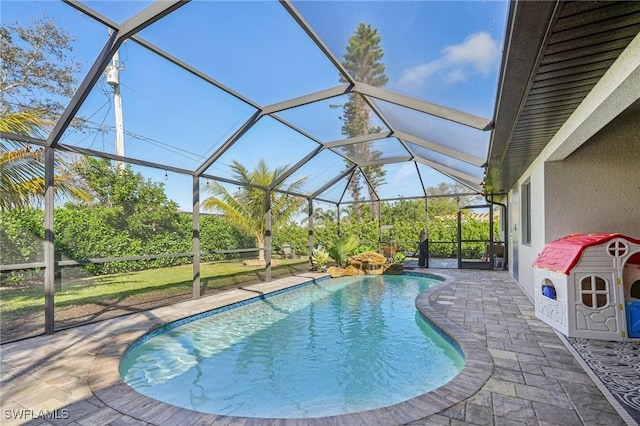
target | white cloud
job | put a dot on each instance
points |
(478, 50)
(456, 74)
(478, 53)
(416, 76)
(407, 170)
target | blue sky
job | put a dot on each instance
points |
(444, 52)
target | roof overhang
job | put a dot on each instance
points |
(564, 62)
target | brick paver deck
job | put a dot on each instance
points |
(517, 371)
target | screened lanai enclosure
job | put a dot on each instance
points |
(160, 151)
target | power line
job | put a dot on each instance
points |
(106, 128)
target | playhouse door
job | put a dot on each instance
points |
(633, 318)
(631, 285)
(599, 306)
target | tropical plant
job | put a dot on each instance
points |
(340, 248)
(399, 257)
(245, 208)
(364, 248)
(22, 167)
(320, 258)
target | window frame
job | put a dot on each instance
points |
(525, 211)
(592, 292)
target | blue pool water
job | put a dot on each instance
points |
(333, 347)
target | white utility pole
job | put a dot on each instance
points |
(113, 78)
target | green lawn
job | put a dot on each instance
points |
(146, 285)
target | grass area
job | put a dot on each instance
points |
(161, 283)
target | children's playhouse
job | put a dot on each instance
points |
(588, 286)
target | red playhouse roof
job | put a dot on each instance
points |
(563, 254)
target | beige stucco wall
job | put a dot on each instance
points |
(587, 179)
(597, 188)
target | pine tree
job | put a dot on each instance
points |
(363, 61)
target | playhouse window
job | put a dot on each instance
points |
(617, 249)
(594, 291)
(548, 289)
(635, 289)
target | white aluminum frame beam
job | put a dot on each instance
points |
(440, 149)
(450, 114)
(307, 99)
(392, 160)
(333, 181)
(449, 171)
(358, 139)
(316, 39)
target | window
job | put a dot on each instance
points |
(525, 208)
(635, 290)
(548, 289)
(617, 249)
(594, 291)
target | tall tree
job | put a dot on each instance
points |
(146, 208)
(363, 61)
(36, 74)
(246, 207)
(37, 71)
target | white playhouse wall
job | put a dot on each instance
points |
(568, 314)
(553, 312)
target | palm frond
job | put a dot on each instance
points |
(22, 169)
(246, 207)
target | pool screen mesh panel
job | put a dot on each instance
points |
(267, 79)
(204, 82)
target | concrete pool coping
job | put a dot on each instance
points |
(106, 384)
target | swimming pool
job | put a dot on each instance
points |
(332, 347)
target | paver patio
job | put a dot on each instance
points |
(531, 376)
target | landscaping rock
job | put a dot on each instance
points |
(394, 269)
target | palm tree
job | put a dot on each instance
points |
(246, 208)
(321, 215)
(22, 168)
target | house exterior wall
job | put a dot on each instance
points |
(587, 178)
(597, 188)
(527, 253)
